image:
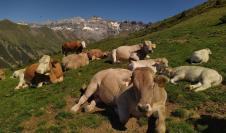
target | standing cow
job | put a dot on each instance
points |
(76, 47)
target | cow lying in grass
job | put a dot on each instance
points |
(105, 86)
(200, 56)
(96, 54)
(203, 77)
(75, 61)
(145, 97)
(134, 52)
(151, 63)
(110, 86)
(37, 74)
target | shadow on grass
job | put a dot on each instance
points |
(110, 114)
(218, 24)
(214, 125)
(112, 117)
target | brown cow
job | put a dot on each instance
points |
(50, 72)
(75, 61)
(145, 97)
(2, 74)
(73, 47)
(96, 54)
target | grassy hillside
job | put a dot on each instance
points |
(47, 109)
(21, 44)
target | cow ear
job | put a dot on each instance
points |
(53, 62)
(161, 80)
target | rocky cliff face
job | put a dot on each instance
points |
(94, 28)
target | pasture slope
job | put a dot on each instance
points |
(20, 44)
(47, 109)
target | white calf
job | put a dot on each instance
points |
(200, 56)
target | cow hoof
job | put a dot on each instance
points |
(17, 88)
(190, 87)
(88, 108)
(75, 109)
(173, 82)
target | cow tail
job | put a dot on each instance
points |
(114, 56)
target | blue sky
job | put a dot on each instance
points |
(139, 10)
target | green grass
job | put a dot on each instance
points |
(175, 43)
(23, 43)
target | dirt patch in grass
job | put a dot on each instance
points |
(105, 127)
(213, 109)
(48, 118)
(70, 101)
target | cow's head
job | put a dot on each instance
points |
(145, 94)
(150, 45)
(162, 61)
(44, 65)
(83, 44)
(106, 53)
(164, 70)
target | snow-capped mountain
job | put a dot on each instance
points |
(94, 28)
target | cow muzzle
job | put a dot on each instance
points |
(144, 107)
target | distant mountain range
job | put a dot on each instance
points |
(21, 43)
(94, 28)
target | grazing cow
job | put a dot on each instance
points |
(105, 86)
(75, 61)
(73, 47)
(2, 74)
(203, 77)
(19, 74)
(151, 63)
(145, 97)
(200, 56)
(96, 54)
(134, 52)
(43, 72)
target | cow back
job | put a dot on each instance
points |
(29, 73)
(72, 45)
